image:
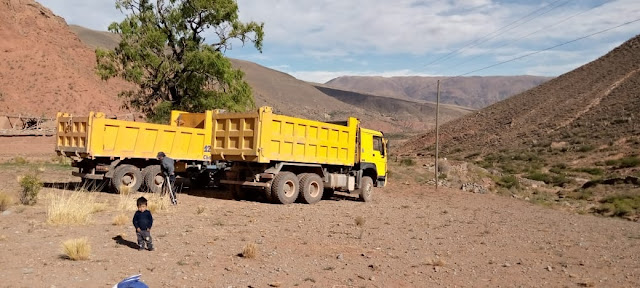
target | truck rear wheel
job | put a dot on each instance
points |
(366, 189)
(153, 178)
(126, 177)
(311, 188)
(284, 189)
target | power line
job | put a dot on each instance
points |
(487, 35)
(546, 49)
(525, 36)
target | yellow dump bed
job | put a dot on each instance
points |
(188, 137)
(263, 136)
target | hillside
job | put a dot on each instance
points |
(573, 133)
(294, 97)
(45, 67)
(595, 104)
(475, 92)
(414, 115)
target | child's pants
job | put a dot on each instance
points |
(144, 236)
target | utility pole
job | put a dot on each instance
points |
(437, 130)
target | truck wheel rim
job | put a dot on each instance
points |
(158, 180)
(289, 188)
(314, 189)
(128, 180)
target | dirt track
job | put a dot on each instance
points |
(411, 237)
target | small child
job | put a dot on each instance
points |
(143, 221)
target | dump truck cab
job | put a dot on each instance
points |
(373, 156)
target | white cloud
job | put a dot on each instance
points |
(419, 27)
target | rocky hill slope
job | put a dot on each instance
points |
(475, 92)
(45, 67)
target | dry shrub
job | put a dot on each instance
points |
(250, 251)
(124, 190)
(5, 201)
(360, 221)
(199, 210)
(436, 262)
(120, 220)
(77, 249)
(72, 209)
(158, 203)
(127, 202)
(31, 186)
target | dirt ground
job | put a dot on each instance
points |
(411, 236)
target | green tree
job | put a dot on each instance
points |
(163, 51)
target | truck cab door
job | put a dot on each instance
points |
(373, 152)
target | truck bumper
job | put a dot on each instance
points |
(88, 176)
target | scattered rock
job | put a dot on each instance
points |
(275, 284)
(6, 212)
(27, 271)
(474, 188)
(339, 257)
(506, 265)
(549, 268)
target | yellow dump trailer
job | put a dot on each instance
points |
(264, 137)
(125, 151)
(291, 158)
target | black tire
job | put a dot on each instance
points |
(328, 193)
(366, 189)
(201, 180)
(284, 189)
(153, 178)
(126, 176)
(311, 188)
(238, 193)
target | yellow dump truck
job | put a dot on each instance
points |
(124, 152)
(292, 159)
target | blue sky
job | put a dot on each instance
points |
(317, 40)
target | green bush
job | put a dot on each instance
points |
(508, 181)
(611, 162)
(629, 162)
(620, 205)
(407, 162)
(586, 148)
(31, 186)
(590, 170)
(539, 176)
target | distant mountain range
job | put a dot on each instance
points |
(474, 92)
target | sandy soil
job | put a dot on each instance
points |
(412, 236)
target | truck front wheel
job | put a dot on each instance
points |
(126, 177)
(311, 188)
(284, 189)
(366, 189)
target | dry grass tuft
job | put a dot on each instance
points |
(200, 210)
(250, 251)
(72, 209)
(124, 190)
(127, 203)
(5, 201)
(360, 221)
(77, 249)
(436, 262)
(120, 220)
(158, 203)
